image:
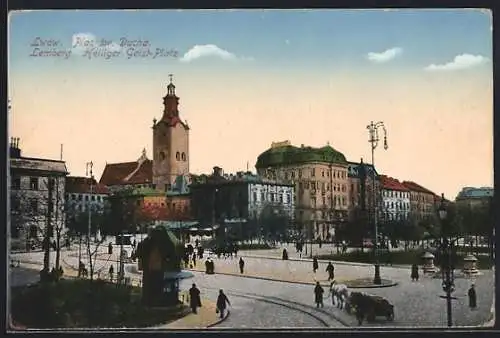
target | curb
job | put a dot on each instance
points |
(326, 261)
(220, 320)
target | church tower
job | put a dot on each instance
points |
(170, 143)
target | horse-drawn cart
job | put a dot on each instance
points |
(369, 306)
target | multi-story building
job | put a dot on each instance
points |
(395, 199)
(360, 187)
(242, 198)
(37, 188)
(320, 177)
(422, 200)
(82, 192)
(474, 197)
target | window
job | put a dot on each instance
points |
(15, 182)
(34, 183)
(344, 201)
(262, 197)
(281, 198)
(34, 205)
(93, 198)
(289, 198)
(73, 197)
(183, 156)
(173, 206)
(86, 197)
(254, 196)
(324, 201)
(300, 173)
(293, 174)
(313, 172)
(79, 197)
(313, 202)
(322, 173)
(177, 156)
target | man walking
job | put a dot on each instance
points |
(221, 303)
(330, 268)
(194, 298)
(318, 295)
(111, 272)
(472, 297)
(315, 264)
(242, 264)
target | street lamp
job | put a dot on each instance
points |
(446, 265)
(88, 172)
(373, 139)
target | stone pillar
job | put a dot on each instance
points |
(428, 266)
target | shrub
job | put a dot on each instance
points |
(79, 303)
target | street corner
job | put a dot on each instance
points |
(206, 317)
(367, 283)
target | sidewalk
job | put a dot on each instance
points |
(284, 271)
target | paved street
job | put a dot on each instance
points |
(261, 303)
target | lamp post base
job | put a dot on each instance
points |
(377, 280)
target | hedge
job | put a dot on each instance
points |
(402, 258)
(80, 304)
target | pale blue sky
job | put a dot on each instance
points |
(331, 39)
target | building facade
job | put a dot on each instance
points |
(475, 197)
(422, 200)
(126, 175)
(361, 184)
(395, 204)
(241, 198)
(85, 192)
(37, 190)
(320, 177)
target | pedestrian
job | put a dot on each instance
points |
(194, 259)
(221, 303)
(472, 297)
(414, 273)
(315, 264)
(318, 295)
(285, 255)
(111, 271)
(242, 264)
(194, 298)
(320, 242)
(344, 248)
(110, 248)
(330, 269)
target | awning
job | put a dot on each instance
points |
(178, 275)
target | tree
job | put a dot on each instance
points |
(274, 221)
(355, 229)
(41, 211)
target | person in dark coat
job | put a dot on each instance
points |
(111, 272)
(221, 303)
(330, 268)
(242, 264)
(315, 264)
(318, 295)
(207, 267)
(285, 255)
(194, 298)
(194, 259)
(320, 242)
(472, 297)
(110, 248)
(414, 273)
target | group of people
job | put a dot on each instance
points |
(195, 301)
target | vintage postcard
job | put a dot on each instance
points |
(243, 169)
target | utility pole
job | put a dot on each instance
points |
(48, 230)
(374, 138)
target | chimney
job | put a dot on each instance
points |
(15, 152)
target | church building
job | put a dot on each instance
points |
(170, 163)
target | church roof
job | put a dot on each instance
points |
(127, 173)
(81, 185)
(172, 121)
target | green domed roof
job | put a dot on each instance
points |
(288, 154)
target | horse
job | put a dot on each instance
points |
(339, 292)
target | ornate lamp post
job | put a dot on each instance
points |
(447, 265)
(374, 139)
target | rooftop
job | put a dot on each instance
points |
(81, 185)
(389, 183)
(283, 153)
(137, 172)
(39, 164)
(417, 188)
(353, 169)
(470, 192)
